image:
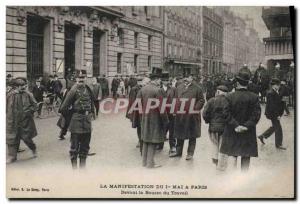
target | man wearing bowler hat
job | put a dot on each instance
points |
(274, 111)
(81, 98)
(242, 115)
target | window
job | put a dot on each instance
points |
(136, 35)
(119, 62)
(120, 37)
(146, 10)
(35, 46)
(96, 52)
(149, 62)
(134, 10)
(135, 63)
(149, 42)
(70, 41)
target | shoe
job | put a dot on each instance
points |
(281, 148)
(61, 137)
(158, 148)
(138, 145)
(34, 153)
(91, 154)
(154, 166)
(261, 138)
(21, 150)
(189, 157)
(74, 163)
(82, 163)
(175, 154)
(215, 161)
(11, 160)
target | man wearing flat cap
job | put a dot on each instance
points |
(274, 111)
(213, 114)
(20, 107)
(242, 116)
(81, 98)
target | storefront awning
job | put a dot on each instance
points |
(190, 63)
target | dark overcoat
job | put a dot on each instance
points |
(20, 108)
(153, 123)
(243, 109)
(133, 116)
(188, 125)
(274, 106)
(214, 113)
(80, 123)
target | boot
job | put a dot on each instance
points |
(82, 162)
(74, 163)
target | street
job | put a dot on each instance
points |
(117, 160)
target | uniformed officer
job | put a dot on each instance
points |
(80, 97)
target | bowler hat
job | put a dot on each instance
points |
(222, 88)
(165, 76)
(243, 75)
(275, 81)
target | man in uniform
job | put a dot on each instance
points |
(187, 126)
(20, 107)
(153, 123)
(81, 98)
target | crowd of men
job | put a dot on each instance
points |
(231, 105)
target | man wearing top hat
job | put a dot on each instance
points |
(20, 107)
(153, 123)
(81, 98)
(187, 125)
(274, 111)
(242, 115)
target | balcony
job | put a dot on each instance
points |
(276, 16)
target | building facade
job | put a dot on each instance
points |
(279, 46)
(212, 41)
(103, 40)
(182, 39)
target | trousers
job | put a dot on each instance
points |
(191, 147)
(80, 145)
(276, 127)
(148, 154)
(13, 145)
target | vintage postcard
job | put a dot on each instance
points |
(150, 102)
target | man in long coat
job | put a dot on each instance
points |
(243, 114)
(114, 86)
(187, 126)
(104, 86)
(20, 107)
(274, 111)
(153, 123)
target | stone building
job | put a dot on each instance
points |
(279, 46)
(182, 39)
(212, 41)
(103, 40)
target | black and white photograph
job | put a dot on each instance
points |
(150, 102)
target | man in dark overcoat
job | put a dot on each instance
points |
(153, 123)
(81, 98)
(187, 125)
(274, 111)
(20, 107)
(134, 116)
(243, 113)
(104, 86)
(38, 92)
(114, 86)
